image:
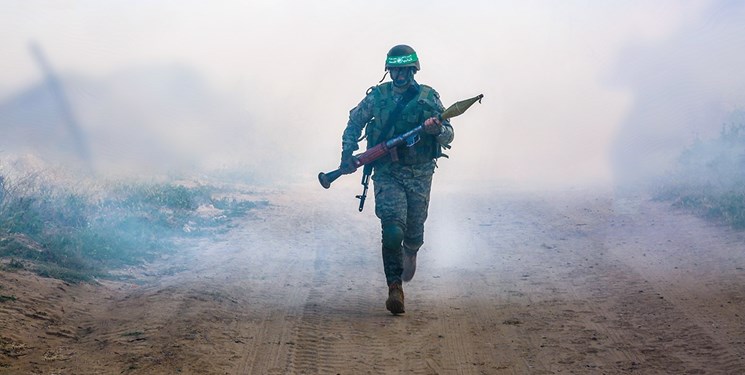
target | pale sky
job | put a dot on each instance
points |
(557, 92)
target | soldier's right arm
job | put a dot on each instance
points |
(359, 116)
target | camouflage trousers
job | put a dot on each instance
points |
(401, 203)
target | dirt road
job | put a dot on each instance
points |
(508, 282)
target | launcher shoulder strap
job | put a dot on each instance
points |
(410, 94)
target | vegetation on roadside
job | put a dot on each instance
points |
(710, 178)
(77, 234)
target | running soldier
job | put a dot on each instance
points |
(402, 180)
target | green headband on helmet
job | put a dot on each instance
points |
(401, 60)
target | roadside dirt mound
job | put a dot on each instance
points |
(507, 283)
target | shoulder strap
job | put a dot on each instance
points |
(396, 113)
(428, 96)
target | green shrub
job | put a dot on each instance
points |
(15, 264)
(710, 178)
(75, 236)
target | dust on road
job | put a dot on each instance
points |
(509, 282)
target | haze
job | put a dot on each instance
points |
(575, 92)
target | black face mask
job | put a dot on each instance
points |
(402, 77)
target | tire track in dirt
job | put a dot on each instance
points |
(469, 290)
(699, 275)
(635, 303)
(538, 304)
(450, 301)
(313, 339)
(335, 317)
(591, 288)
(275, 248)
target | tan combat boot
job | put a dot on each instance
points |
(395, 302)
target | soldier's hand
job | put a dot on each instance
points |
(433, 126)
(348, 163)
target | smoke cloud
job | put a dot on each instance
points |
(575, 93)
(685, 87)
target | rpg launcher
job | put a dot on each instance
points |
(384, 148)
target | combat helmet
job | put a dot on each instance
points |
(401, 56)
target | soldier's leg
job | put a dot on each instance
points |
(390, 208)
(417, 193)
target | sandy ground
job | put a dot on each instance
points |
(509, 282)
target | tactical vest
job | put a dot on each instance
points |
(421, 107)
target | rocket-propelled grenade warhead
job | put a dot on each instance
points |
(460, 107)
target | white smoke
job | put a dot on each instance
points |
(575, 93)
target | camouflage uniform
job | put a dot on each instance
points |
(402, 187)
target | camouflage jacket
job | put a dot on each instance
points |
(371, 115)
